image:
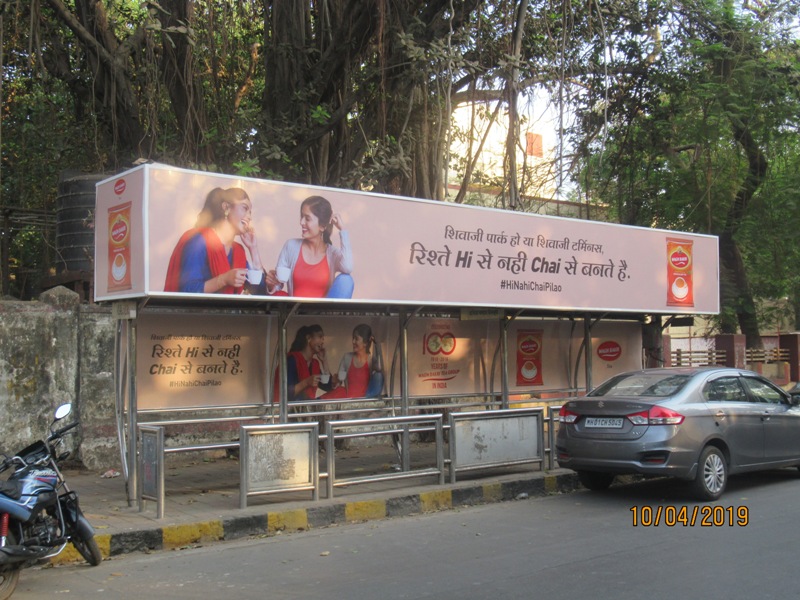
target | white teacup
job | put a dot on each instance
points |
(283, 274)
(324, 377)
(254, 276)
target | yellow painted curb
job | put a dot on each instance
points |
(104, 543)
(366, 510)
(431, 501)
(71, 555)
(177, 536)
(68, 555)
(492, 492)
(288, 520)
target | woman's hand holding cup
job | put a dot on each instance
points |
(234, 278)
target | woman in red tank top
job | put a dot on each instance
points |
(359, 367)
(311, 266)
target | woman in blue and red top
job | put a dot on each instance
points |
(207, 259)
(317, 268)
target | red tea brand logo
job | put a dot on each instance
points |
(119, 230)
(435, 343)
(529, 345)
(609, 351)
(679, 258)
(119, 187)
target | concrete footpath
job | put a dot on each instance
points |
(202, 500)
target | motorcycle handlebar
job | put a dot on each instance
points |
(14, 460)
(60, 432)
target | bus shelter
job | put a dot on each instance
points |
(466, 306)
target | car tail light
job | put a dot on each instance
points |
(657, 415)
(567, 416)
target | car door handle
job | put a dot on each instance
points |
(720, 414)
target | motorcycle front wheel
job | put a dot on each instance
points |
(88, 550)
(79, 530)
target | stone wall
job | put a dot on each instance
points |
(52, 351)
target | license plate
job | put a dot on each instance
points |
(605, 422)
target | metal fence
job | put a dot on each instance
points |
(760, 355)
(698, 358)
(753, 357)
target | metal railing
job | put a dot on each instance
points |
(771, 355)
(698, 358)
(387, 426)
(753, 356)
(551, 423)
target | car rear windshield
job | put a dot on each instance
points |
(642, 384)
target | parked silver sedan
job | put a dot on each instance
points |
(698, 424)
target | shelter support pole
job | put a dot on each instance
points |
(283, 350)
(121, 390)
(133, 468)
(405, 454)
(504, 324)
(587, 341)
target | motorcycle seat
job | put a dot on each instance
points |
(12, 489)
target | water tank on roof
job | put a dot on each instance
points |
(75, 222)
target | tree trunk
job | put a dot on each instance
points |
(184, 92)
(653, 343)
(111, 89)
(738, 306)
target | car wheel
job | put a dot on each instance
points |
(595, 481)
(712, 474)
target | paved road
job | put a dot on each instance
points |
(582, 545)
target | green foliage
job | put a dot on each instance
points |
(247, 168)
(319, 115)
(701, 138)
(674, 102)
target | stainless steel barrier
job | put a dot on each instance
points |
(382, 426)
(495, 438)
(266, 453)
(151, 468)
(552, 424)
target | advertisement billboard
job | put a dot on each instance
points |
(192, 361)
(168, 232)
(189, 360)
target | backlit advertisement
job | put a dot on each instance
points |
(169, 232)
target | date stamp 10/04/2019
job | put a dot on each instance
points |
(690, 516)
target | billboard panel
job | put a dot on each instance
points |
(193, 361)
(202, 234)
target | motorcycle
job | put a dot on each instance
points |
(39, 514)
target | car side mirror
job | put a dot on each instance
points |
(795, 399)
